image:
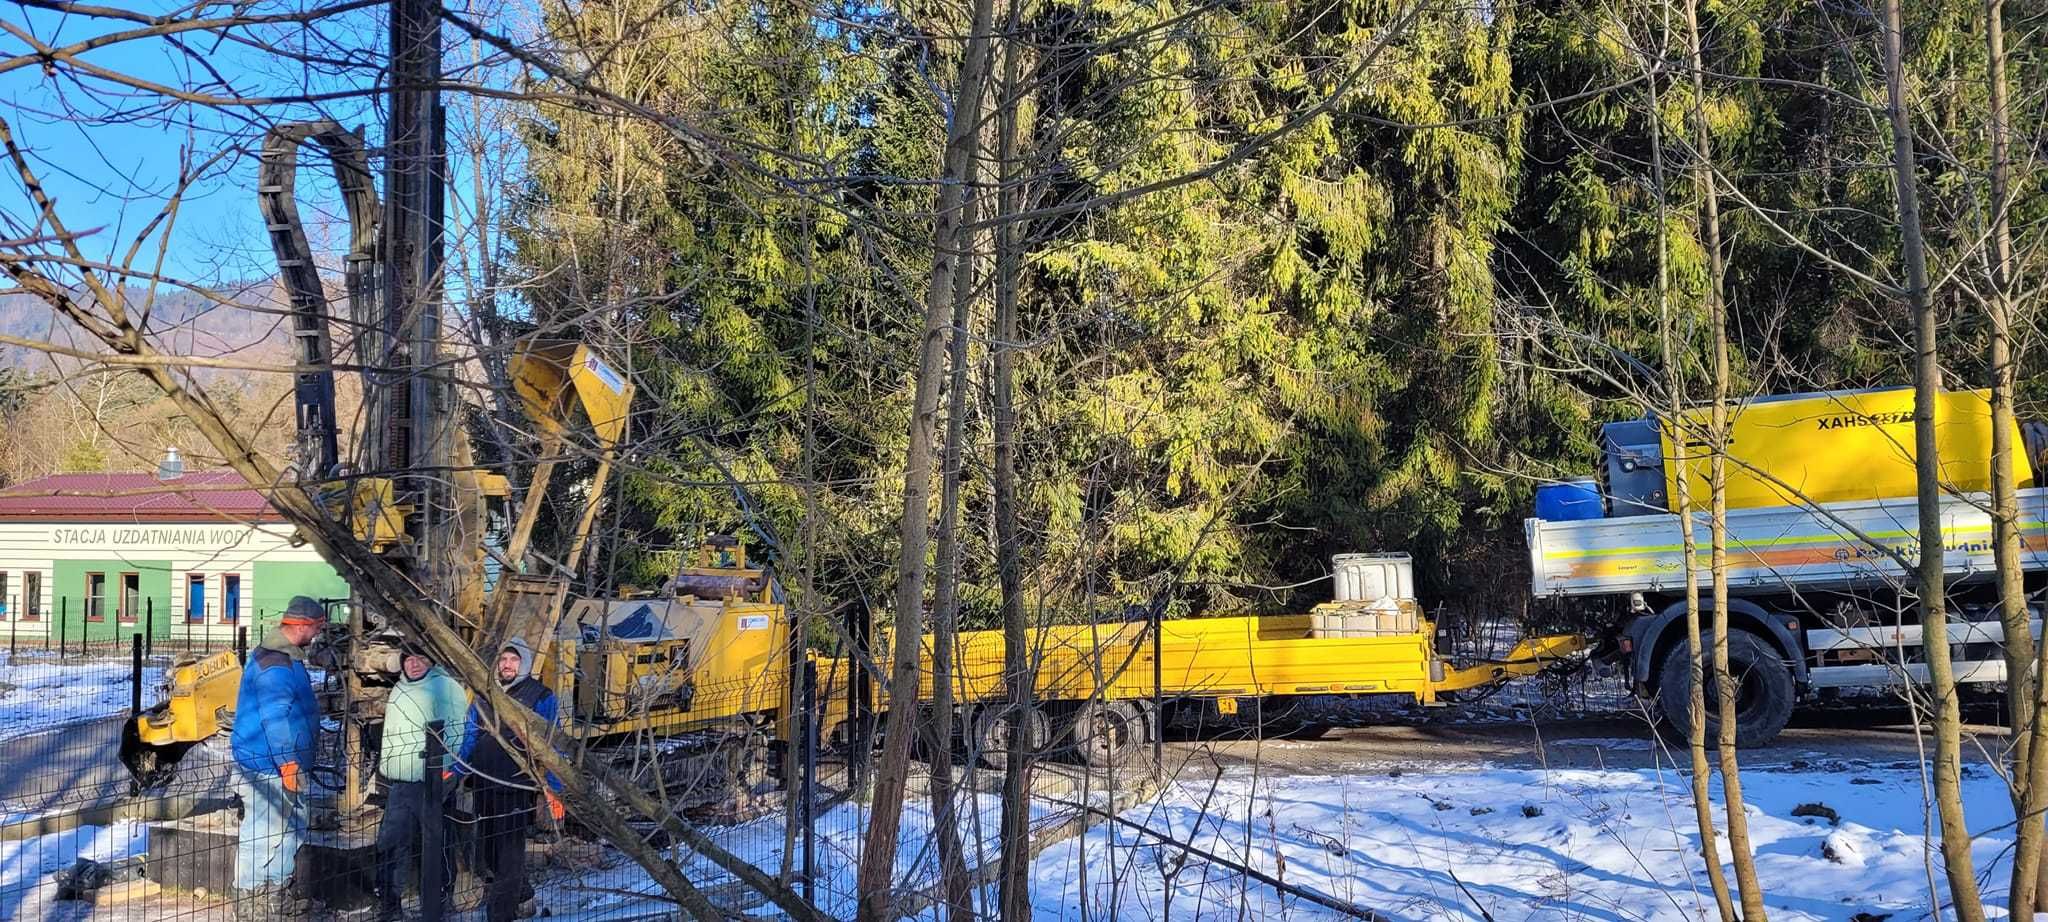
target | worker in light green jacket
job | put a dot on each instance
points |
(424, 694)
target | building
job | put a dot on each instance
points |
(189, 558)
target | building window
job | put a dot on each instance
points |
(230, 598)
(95, 597)
(6, 609)
(31, 595)
(195, 598)
(131, 596)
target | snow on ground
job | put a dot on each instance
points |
(36, 696)
(1456, 844)
(28, 866)
(841, 832)
(1518, 844)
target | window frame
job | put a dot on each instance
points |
(230, 614)
(123, 612)
(196, 579)
(95, 606)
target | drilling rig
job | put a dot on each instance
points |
(412, 492)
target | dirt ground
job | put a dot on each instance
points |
(1820, 740)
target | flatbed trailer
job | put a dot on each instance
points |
(1095, 694)
(721, 662)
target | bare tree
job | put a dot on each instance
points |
(1013, 894)
(1682, 505)
(949, 239)
(2023, 680)
(1930, 578)
(1717, 439)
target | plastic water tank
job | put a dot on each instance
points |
(1572, 501)
(1367, 577)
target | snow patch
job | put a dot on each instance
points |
(28, 866)
(39, 696)
(1600, 845)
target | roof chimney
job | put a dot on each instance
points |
(171, 467)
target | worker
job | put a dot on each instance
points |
(503, 791)
(424, 694)
(273, 739)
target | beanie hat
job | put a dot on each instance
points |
(303, 610)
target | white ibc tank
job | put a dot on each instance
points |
(1371, 577)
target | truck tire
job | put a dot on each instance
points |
(992, 733)
(1103, 731)
(1763, 693)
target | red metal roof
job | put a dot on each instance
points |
(136, 497)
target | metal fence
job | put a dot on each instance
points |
(82, 839)
(73, 627)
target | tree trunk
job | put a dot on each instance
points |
(1682, 438)
(878, 858)
(1717, 484)
(1948, 745)
(2005, 531)
(958, 894)
(1013, 886)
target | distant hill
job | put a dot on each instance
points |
(239, 320)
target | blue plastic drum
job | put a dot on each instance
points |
(1572, 501)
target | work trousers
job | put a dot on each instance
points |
(273, 826)
(400, 841)
(504, 815)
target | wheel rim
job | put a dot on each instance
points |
(1108, 732)
(995, 730)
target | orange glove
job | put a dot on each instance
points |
(448, 774)
(555, 807)
(289, 772)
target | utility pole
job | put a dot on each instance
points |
(407, 393)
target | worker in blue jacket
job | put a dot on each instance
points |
(276, 722)
(505, 794)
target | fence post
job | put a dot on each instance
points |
(135, 679)
(1158, 728)
(63, 615)
(433, 847)
(148, 626)
(807, 796)
(242, 642)
(860, 696)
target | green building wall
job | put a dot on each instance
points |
(267, 587)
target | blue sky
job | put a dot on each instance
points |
(111, 155)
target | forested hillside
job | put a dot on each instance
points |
(1420, 272)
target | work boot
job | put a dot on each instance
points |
(251, 905)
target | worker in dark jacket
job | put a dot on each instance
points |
(504, 792)
(276, 719)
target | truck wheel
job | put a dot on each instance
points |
(1102, 731)
(1763, 690)
(992, 733)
